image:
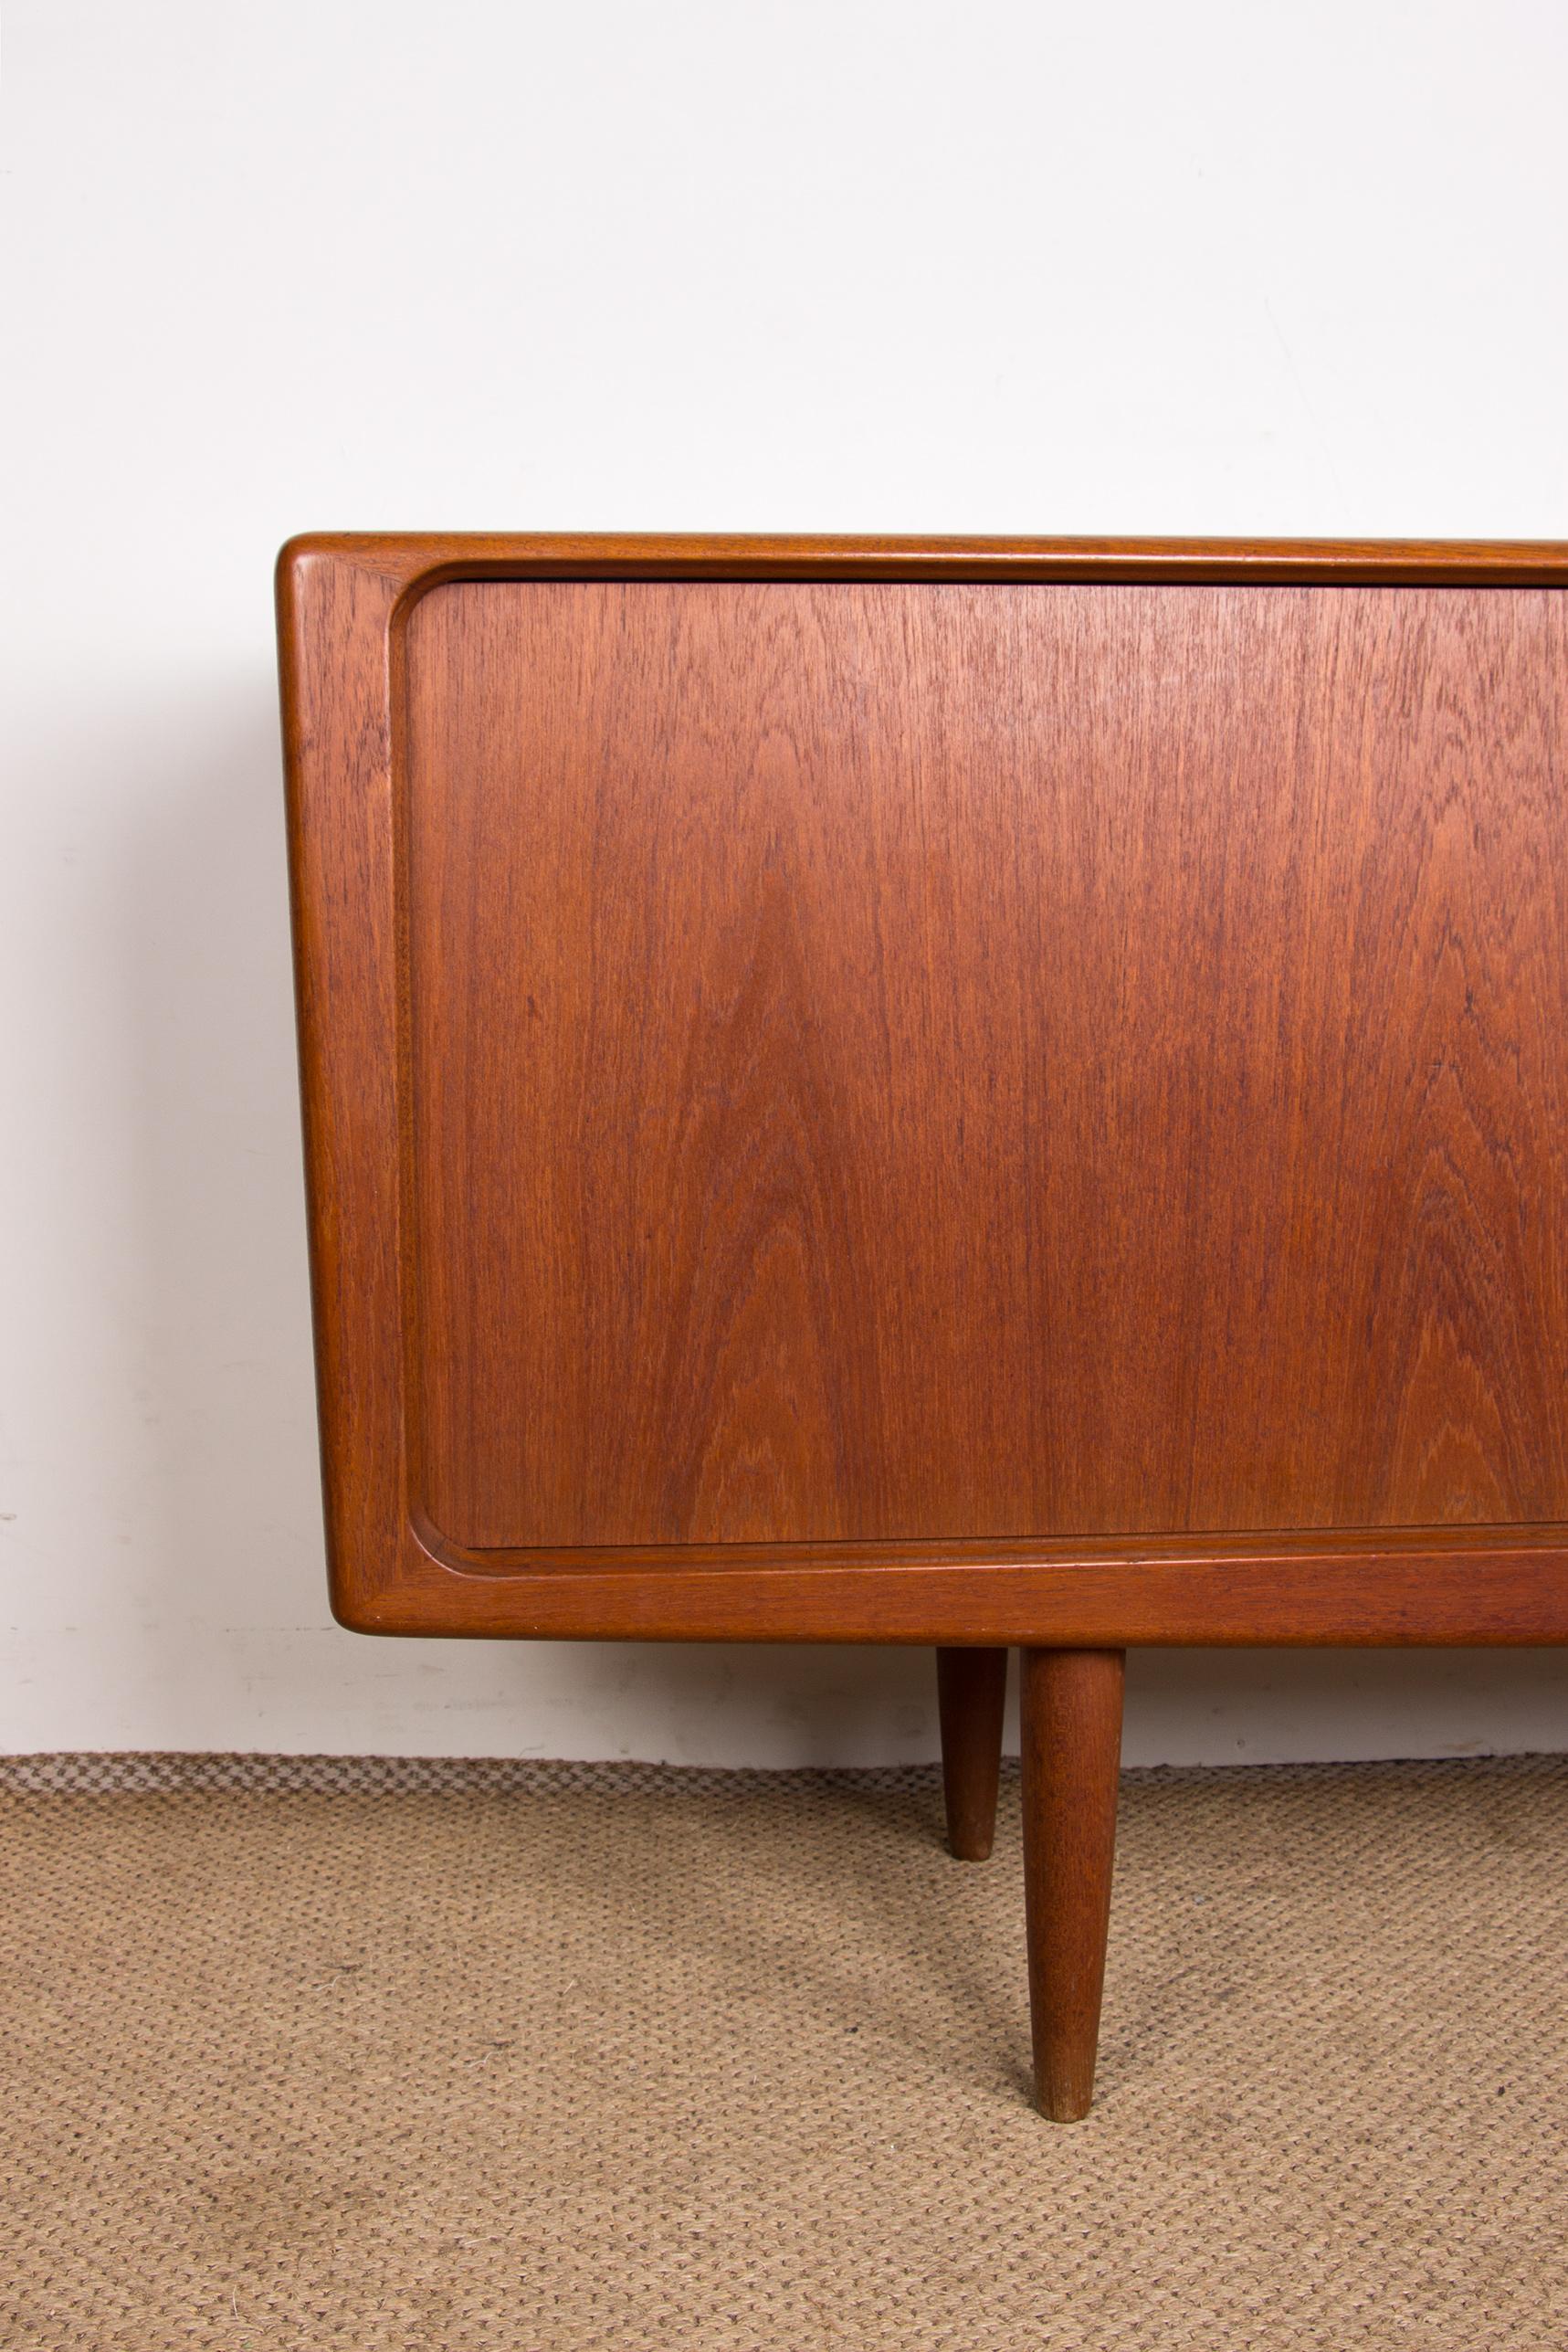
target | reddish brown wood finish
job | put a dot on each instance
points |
(972, 1696)
(1021, 1102)
(1071, 1718)
(918, 1061)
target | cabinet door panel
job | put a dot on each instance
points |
(904, 1061)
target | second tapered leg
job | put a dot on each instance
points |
(971, 1693)
(1071, 1760)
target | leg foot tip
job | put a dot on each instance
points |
(1063, 2108)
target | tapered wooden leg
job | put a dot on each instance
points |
(971, 1692)
(1071, 1758)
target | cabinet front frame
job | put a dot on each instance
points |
(343, 605)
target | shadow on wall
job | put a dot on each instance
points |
(229, 1643)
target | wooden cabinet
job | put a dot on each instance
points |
(964, 1092)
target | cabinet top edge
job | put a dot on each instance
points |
(424, 559)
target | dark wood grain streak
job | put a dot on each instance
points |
(1094, 1047)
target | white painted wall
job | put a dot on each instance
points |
(840, 264)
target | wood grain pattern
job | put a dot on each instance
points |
(918, 1061)
(1304, 1255)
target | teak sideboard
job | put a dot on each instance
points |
(975, 1092)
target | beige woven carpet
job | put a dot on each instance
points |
(435, 2057)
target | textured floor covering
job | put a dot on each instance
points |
(542, 2058)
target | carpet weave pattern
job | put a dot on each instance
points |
(546, 2059)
